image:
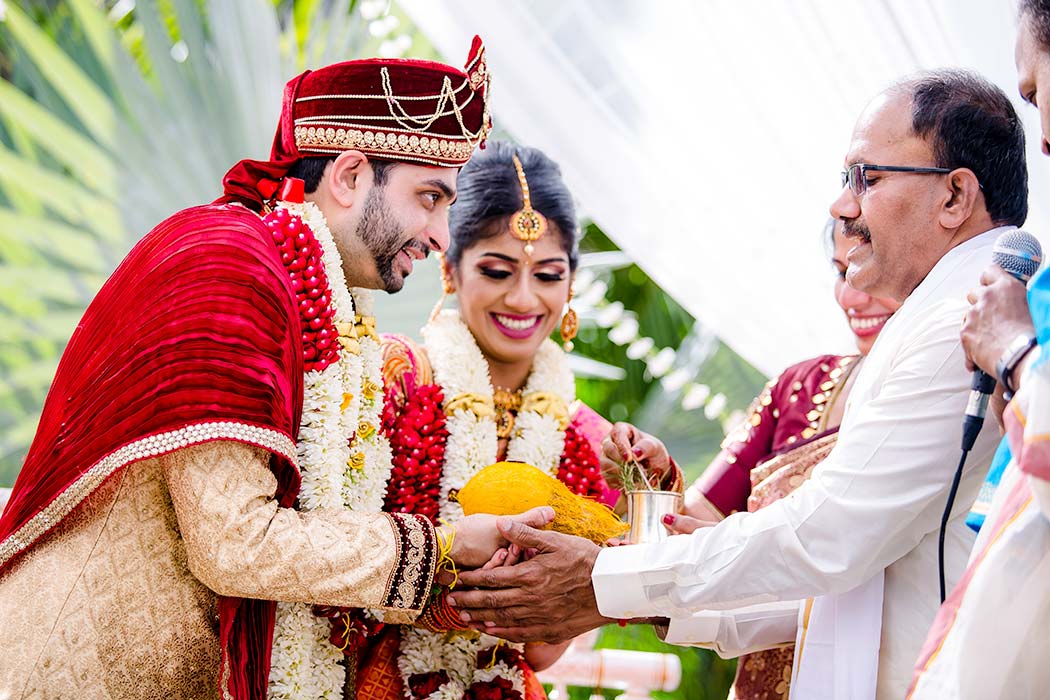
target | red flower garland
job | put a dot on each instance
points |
(350, 628)
(301, 255)
(417, 439)
(496, 689)
(501, 652)
(423, 684)
(418, 436)
(579, 468)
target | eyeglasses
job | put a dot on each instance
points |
(856, 175)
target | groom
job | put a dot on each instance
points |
(151, 527)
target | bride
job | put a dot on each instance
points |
(487, 384)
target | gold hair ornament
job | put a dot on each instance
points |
(526, 224)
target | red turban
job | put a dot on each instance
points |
(393, 109)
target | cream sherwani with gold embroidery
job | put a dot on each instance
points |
(119, 600)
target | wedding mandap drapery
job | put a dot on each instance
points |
(706, 138)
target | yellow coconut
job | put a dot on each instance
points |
(509, 488)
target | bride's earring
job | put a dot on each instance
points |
(570, 324)
(446, 287)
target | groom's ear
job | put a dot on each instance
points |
(348, 178)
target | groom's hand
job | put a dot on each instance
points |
(476, 537)
(548, 598)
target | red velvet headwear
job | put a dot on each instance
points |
(394, 109)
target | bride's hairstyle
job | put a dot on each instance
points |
(489, 193)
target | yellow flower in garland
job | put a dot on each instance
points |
(370, 389)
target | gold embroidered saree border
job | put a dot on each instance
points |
(799, 460)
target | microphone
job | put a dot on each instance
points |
(1019, 254)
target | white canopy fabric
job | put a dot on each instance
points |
(706, 138)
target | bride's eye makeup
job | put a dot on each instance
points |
(494, 273)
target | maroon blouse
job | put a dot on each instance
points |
(788, 413)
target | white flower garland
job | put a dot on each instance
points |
(460, 368)
(338, 401)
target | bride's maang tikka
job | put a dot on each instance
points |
(526, 224)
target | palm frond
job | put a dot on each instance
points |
(83, 96)
(105, 131)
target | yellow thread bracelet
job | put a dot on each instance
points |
(445, 562)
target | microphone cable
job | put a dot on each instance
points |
(981, 387)
(946, 515)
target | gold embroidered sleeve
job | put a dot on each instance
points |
(240, 543)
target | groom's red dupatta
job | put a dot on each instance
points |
(194, 338)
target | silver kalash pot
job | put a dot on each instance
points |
(645, 512)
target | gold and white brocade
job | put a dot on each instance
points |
(119, 600)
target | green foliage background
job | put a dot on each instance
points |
(103, 133)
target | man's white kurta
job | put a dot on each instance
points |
(872, 509)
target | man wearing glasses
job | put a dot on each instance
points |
(934, 173)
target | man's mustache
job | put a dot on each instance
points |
(420, 246)
(855, 229)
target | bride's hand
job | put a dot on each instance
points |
(625, 442)
(684, 524)
(507, 556)
(476, 540)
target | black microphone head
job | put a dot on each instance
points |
(1018, 253)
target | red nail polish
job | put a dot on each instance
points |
(668, 519)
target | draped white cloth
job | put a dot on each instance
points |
(706, 138)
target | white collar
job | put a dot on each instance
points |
(950, 261)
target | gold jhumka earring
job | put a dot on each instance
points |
(446, 286)
(570, 324)
(526, 224)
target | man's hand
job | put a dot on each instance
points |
(625, 442)
(548, 598)
(477, 539)
(998, 314)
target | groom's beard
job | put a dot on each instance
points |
(384, 236)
